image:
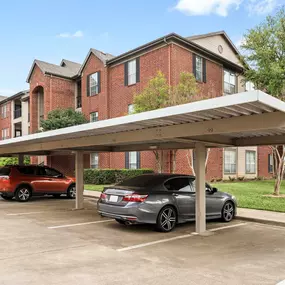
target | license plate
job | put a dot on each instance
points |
(113, 198)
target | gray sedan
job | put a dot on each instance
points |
(162, 199)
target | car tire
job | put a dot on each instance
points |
(23, 194)
(56, 196)
(228, 211)
(120, 221)
(166, 219)
(8, 198)
(71, 192)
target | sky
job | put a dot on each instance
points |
(56, 29)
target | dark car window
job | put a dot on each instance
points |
(27, 170)
(143, 181)
(5, 171)
(178, 184)
(51, 172)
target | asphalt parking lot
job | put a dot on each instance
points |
(45, 242)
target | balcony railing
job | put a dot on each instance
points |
(229, 88)
(17, 113)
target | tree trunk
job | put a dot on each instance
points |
(173, 154)
(278, 156)
(158, 156)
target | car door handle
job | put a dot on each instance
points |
(49, 179)
(174, 194)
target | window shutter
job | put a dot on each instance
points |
(88, 85)
(99, 81)
(204, 70)
(138, 70)
(127, 160)
(126, 74)
(138, 159)
(194, 64)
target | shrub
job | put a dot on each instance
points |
(111, 176)
(13, 160)
(232, 179)
(241, 178)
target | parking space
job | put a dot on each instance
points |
(45, 241)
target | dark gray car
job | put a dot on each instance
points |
(162, 199)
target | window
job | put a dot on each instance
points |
(130, 109)
(249, 86)
(178, 184)
(5, 134)
(4, 111)
(94, 117)
(132, 72)
(250, 161)
(94, 160)
(46, 171)
(93, 84)
(230, 161)
(229, 82)
(30, 170)
(133, 160)
(199, 68)
(270, 163)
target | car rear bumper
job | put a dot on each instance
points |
(6, 193)
(135, 212)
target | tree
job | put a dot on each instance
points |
(158, 94)
(154, 96)
(13, 160)
(62, 118)
(264, 60)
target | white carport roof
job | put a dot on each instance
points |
(244, 119)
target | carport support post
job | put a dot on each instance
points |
(200, 154)
(20, 159)
(79, 179)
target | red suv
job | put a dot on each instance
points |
(22, 182)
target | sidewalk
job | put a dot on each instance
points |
(259, 216)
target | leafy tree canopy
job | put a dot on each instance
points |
(264, 55)
(62, 118)
(13, 160)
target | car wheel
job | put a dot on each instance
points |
(23, 194)
(120, 221)
(71, 191)
(8, 198)
(56, 195)
(228, 212)
(167, 219)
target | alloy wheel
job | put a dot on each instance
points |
(24, 194)
(72, 191)
(228, 211)
(168, 219)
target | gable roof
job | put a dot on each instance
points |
(19, 94)
(219, 33)
(104, 57)
(67, 69)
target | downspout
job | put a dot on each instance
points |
(108, 105)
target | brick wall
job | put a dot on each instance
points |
(262, 162)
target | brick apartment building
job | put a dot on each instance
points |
(103, 87)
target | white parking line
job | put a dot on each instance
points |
(79, 224)
(176, 238)
(20, 214)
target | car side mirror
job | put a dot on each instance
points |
(214, 189)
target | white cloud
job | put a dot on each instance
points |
(239, 42)
(261, 7)
(206, 7)
(78, 34)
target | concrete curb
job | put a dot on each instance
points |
(262, 221)
(90, 196)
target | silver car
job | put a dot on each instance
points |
(162, 199)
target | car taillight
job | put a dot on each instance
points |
(103, 196)
(135, 198)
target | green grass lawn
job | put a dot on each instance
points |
(93, 187)
(250, 194)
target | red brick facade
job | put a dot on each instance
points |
(114, 98)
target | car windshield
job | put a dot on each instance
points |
(142, 181)
(5, 171)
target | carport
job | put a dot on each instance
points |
(244, 119)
